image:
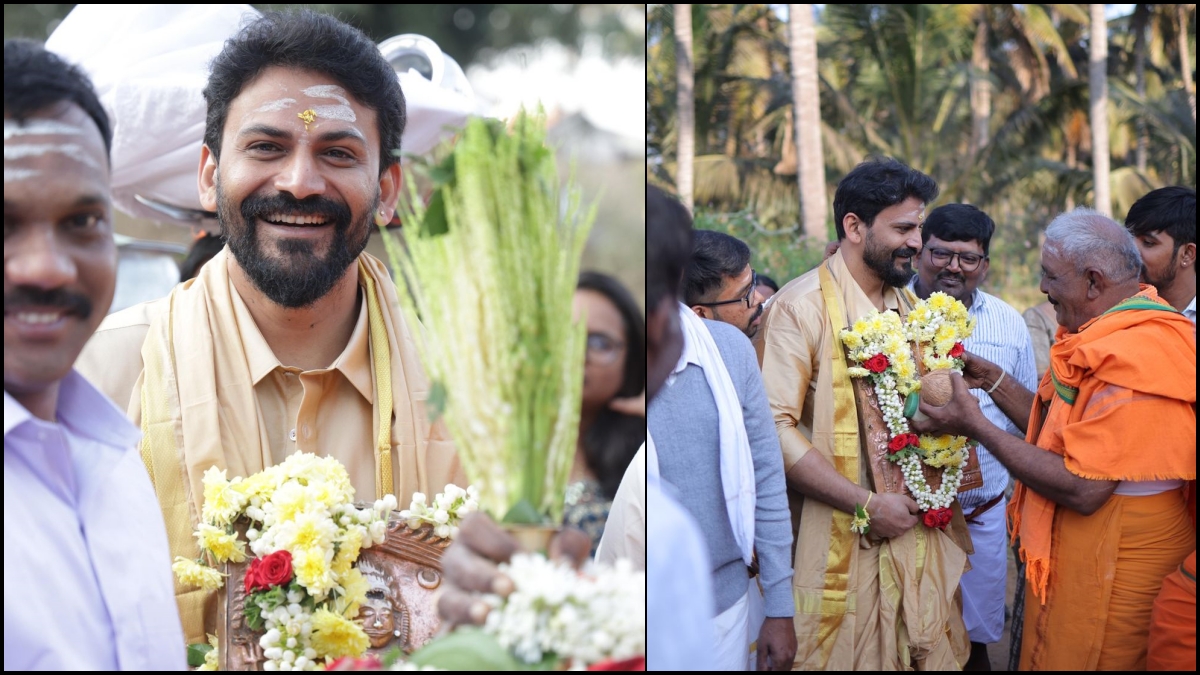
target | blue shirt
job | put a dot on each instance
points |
(1000, 337)
(87, 571)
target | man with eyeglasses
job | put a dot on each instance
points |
(954, 260)
(719, 284)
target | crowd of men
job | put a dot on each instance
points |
(769, 459)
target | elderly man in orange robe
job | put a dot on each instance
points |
(1100, 507)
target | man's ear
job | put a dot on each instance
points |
(1096, 282)
(856, 229)
(390, 184)
(702, 311)
(1187, 255)
(206, 181)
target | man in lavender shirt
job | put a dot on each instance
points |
(87, 574)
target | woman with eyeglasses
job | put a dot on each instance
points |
(612, 422)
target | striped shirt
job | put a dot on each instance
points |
(1000, 337)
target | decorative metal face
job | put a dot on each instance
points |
(403, 573)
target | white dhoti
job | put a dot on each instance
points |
(737, 631)
(983, 588)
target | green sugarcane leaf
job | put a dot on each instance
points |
(437, 400)
(522, 513)
(196, 652)
(466, 648)
(435, 216)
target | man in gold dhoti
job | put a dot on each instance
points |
(291, 338)
(885, 600)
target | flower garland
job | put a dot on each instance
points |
(879, 345)
(302, 588)
(446, 512)
(584, 618)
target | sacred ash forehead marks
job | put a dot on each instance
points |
(322, 101)
(38, 138)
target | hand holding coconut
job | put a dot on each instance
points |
(946, 406)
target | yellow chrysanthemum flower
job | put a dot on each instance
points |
(852, 340)
(192, 573)
(211, 656)
(334, 636)
(289, 500)
(221, 503)
(312, 570)
(354, 587)
(348, 550)
(223, 546)
(261, 484)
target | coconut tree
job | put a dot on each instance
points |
(802, 41)
(686, 101)
(1098, 105)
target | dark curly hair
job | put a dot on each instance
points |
(307, 40)
(612, 440)
(874, 185)
(35, 79)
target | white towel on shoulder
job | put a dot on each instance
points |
(737, 464)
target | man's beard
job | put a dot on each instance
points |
(751, 330)
(880, 260)
(299, 278)
(1164, 283)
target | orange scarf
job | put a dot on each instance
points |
(1124, 381)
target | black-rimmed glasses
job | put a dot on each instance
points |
(967, 262)
(748, 298)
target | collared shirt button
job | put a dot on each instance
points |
(292, 435)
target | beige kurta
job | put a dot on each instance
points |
(265, 411)
(912, 618)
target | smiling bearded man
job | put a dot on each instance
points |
(292, 339)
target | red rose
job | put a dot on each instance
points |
(957, 350)
(876, 364)
(898, 443)
(938, 518)
(636, 663)
(271, 570)
(914, 440)
(251, 580)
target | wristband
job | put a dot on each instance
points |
(997, 384)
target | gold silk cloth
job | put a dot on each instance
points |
(861, 604)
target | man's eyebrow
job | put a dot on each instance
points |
(265, 130)
(89, 200)
(281, 134)
(341, 135)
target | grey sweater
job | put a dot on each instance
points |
(683, 422)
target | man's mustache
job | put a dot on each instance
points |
(904, 253)
(956, 277)
(23, 297)
(260, 207)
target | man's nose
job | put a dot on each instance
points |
(38, 259)
(302, 176)
(954, 263)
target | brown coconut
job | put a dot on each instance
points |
(936, 389)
